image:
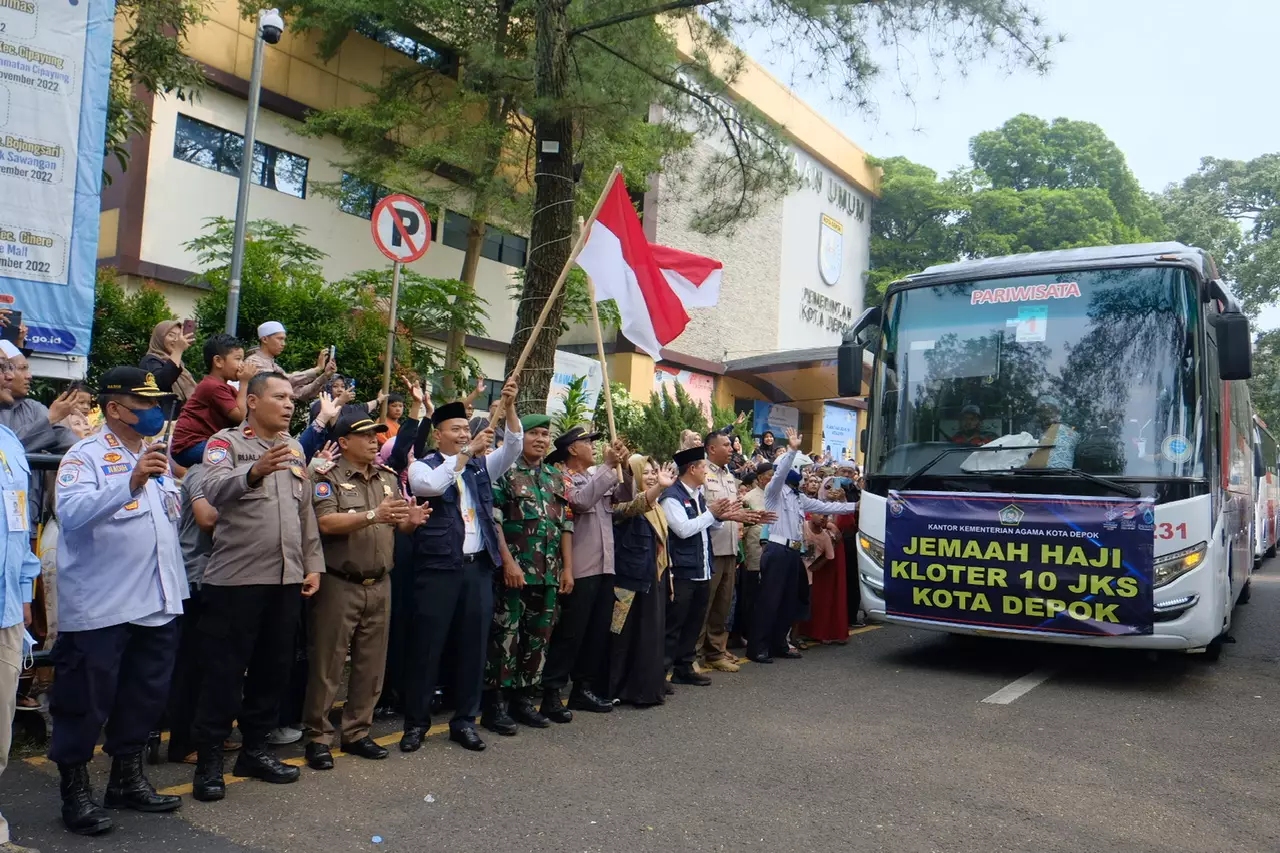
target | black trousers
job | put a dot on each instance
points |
(398, 636)
(295, 694)
(449, 605)
(580, 643)
(118, 676)
(777, 602)
(247, 634)
(685, 614)
(184, 688)
(748, 591)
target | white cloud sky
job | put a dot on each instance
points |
(1170, 81)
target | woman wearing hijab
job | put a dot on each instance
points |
(164, 360)
(766, 449)
(738, 461)
(642, 587)
(828, 600)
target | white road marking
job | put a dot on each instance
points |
(1017, 689)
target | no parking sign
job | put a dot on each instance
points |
(401, 228)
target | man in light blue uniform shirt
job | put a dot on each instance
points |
(781, 568)
(121, 584)
(18, 573)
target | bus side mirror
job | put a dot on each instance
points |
(862, 440)
(849, 370)
(1235, 347)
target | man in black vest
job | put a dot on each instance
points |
(688, 547)
(455, 555)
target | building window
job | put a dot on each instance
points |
(207, 145)
(501, 246)
(359, 197)
(437, 57)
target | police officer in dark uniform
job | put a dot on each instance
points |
(358, 508)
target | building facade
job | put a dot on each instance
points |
(793, 277)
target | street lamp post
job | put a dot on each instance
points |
(270, 28)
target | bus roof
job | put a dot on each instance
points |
(1134, 254)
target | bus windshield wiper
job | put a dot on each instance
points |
(1122, 488)
(960, 448)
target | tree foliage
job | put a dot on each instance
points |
(662, 420)
(282, 280)
(122, 323)
(148, 59)
(1264, 387)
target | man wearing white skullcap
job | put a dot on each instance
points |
(306, 383)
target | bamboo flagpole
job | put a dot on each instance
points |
(556, 288)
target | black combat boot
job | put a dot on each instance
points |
(553, 708)
(495, 717)
(209, 784)
(522, 711)
(257, 763)
(80, 813)
(129, 789)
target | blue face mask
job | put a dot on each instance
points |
(150, 421)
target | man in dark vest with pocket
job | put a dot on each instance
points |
(456, 553)
(689, 517)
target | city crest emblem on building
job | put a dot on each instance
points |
(831, 250)
(1011, 515)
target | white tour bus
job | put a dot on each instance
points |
(1144, 347)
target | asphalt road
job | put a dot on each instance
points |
(881, 745)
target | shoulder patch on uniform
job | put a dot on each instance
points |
(69, 474)
(323, 489)
(214, 455)
(217, 442)
(110, 439)
(111, 457)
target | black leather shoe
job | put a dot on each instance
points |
(496, 718)
(791, 654)
(553, 708)
(411, 740)
(319, 757)
(209, 785)
(522, 711)
(257, 763)
(761, 659)
(585, 700)
(365, 748)
(80, 813)
(467, 738)
(688, 676)
(129, 789)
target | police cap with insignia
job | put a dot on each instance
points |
(357, 426)
(131, 381)
(449, 412)
(688, 457)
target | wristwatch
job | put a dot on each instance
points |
(465, 451)
(370, 516)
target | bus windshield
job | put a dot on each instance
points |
(1095, 370)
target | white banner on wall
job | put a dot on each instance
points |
(568, 367)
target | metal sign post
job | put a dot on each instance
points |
(401, 231)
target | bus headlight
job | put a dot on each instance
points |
(1173, 566)
(873, 548)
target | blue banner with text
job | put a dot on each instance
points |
(1048, 563)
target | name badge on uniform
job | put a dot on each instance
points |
(172, 507)
(15, 509)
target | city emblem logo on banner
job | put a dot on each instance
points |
(1011, 515)
(897, 506)
(831, 250)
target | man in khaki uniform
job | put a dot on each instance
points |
(358, 508)
(266, 558)
(720, 485)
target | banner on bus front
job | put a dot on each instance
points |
(1051, 563)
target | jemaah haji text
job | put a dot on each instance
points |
(1012, 552)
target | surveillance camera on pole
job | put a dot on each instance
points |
(270, 30)
(271, 25)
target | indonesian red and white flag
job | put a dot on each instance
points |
(653, 285)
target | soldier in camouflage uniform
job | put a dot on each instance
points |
(530, 505)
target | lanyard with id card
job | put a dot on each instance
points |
(15, 510)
